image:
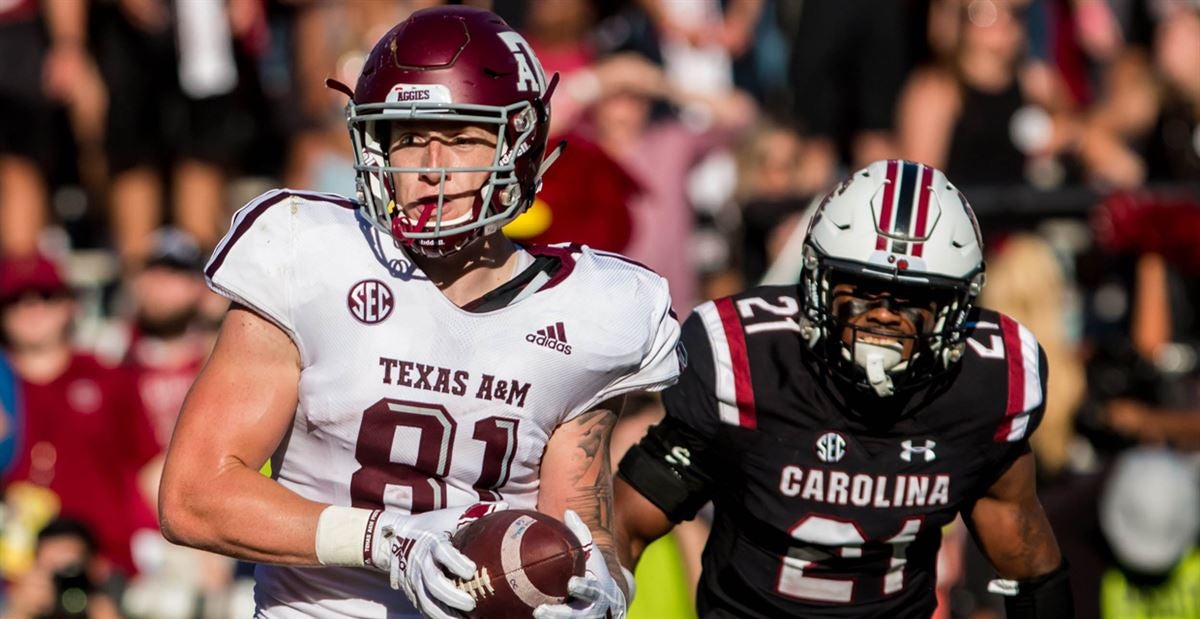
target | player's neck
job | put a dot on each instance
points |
(473, 271)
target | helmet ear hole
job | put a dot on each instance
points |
(510, 195)
(524, 120)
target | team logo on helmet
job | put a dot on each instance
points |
(370, 301)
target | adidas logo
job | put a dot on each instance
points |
(553, 337)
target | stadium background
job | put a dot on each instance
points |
(699, 132)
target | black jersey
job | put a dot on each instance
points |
(829, 501)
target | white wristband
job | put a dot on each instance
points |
(345, 536)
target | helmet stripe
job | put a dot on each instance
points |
(904, 205)
(885, 209)
(923, 191)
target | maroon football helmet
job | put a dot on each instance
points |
(457, 64)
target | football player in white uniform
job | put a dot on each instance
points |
(401, 363)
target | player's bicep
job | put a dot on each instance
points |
(241, 404)
(1010, 526)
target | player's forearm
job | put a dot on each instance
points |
(1031, 551)
(579, 450)
(242, 514)
(1011, 527)
(607, 547)
(593, 501)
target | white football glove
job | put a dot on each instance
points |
(595, 595)
(416, 552)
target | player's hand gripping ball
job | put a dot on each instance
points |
(523, 559)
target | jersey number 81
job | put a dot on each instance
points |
(434, 433)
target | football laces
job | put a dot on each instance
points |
(478, 587)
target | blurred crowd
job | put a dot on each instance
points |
(699, 132)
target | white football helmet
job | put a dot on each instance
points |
(902, 224)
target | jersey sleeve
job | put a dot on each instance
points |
(1027, 370)
(660, 356)
(693, 401)
(1025, 401)
(252, 265)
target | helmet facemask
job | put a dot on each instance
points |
(883, 358)
(500, 198)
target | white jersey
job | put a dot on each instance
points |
(410, 403)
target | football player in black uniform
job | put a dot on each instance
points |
(838, 425)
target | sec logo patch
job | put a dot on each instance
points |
(370, 301)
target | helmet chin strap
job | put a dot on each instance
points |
(878, 362)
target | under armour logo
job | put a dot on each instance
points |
(925, 450)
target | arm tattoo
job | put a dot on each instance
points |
(592, 498)
(593, 495)
(594, 503)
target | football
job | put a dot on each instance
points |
(523, 559)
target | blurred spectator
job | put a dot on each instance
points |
(86, 437)
(659, 155)
(988, 114)
(49, 38)
(1026, 281)
(10, 416)
(164, 349)
(161, 344)
(173, 71)
(1154, 397)
(768, 196)
(1147, 125)
(1131, 537)
(585, 199)
(698, 50)
(719, 30)
(311, 41)
(849, 60)
(559, 33)
(587, 196)
(1150, 517)
(66, 579)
